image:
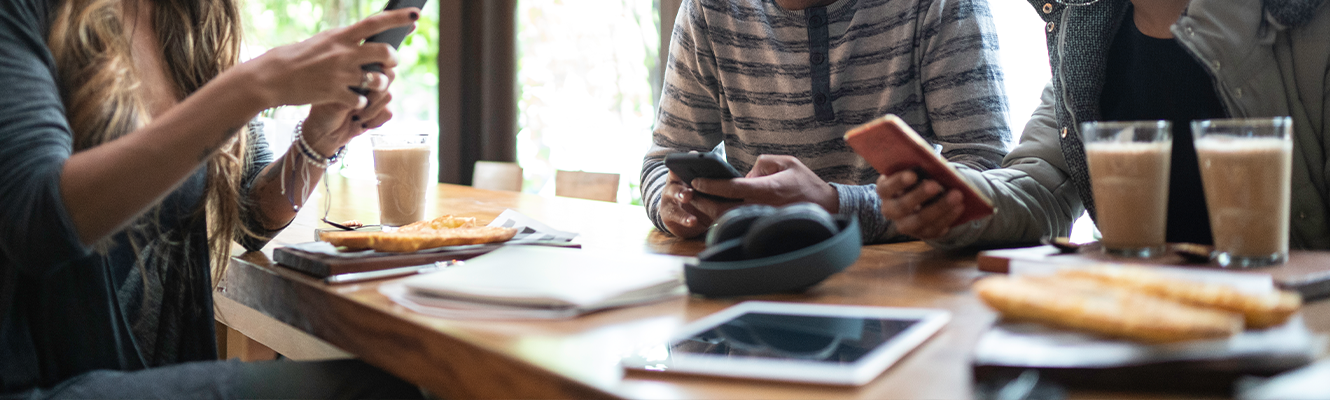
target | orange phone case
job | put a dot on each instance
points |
(891, 146)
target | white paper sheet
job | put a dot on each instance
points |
(540, 282)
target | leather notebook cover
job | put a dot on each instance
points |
(891, 146)
(324, 265)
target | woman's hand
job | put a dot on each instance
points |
(322, 69)
(331, 126)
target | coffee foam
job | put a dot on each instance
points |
(1128, 147)
(1231, 144)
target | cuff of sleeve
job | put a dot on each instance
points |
(960, 236)
(49, 237)
(862, 201)
(968, 233)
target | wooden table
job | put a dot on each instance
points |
(578, 358)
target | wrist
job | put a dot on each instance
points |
(314, 156)
(319, 142)
(253, 85)
(831, 201)
(318, 129)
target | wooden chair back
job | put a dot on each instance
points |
(497, 175)
(587, 185)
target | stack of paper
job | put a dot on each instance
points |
(525, 282)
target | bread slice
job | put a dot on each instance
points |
(446, 230)
(440, 223)
(1093, 306)
(1259, 310)
(405, 242)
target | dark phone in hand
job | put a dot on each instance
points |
(689, 166)
(393, 37)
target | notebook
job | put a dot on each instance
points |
(541, 282)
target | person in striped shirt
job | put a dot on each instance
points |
(779, 82)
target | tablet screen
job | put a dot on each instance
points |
(830, 339)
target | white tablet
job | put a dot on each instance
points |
(816, 343)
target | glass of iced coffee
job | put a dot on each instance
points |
(1129, 164)
(1246, 166)
(401, 164)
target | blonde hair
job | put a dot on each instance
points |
(99, 86)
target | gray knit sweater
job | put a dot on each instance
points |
(764, 80)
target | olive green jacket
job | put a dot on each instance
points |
(1268, 58)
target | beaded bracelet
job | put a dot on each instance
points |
(311, 157)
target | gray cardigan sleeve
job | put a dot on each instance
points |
(37, 234)
(1033, 194)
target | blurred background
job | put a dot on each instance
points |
(585, 75)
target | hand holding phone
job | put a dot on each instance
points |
(891, 146)
(392, 37)
(689, 166)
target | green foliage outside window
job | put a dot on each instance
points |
(584, 88)
(273, 23)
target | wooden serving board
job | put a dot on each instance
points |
(1307, 272)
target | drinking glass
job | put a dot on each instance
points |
(1246, 168)
(401, 164)
(1129, 169)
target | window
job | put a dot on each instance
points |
(584, 78)
(1025, 65)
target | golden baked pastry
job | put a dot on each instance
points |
(442, 231)
(444, 222)
(1094, 306)
(1261, 310)
(404, 242)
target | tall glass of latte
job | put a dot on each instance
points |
(1129, 164)
(401, 164)
(1246, 168)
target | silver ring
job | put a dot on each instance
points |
(364, 80)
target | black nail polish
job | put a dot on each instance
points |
(414, 16)
(355, 118)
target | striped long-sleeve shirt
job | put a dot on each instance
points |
(765, 80)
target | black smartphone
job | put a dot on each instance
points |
(393, 37)
(701, 165)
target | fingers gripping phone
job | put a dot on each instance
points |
(392, 37)
(891, 146)
(689, 166)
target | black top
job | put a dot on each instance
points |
(67, 309)
(1152, 79)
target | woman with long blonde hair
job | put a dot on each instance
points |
(129, 168)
